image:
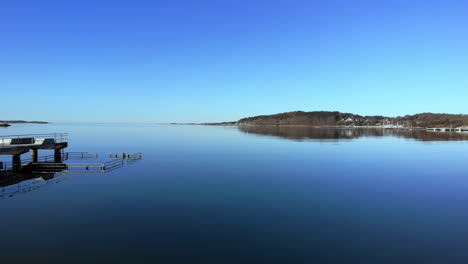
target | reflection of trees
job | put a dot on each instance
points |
(327, 134)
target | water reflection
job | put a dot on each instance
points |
(35, 175)
(13, 182)
(298, 133)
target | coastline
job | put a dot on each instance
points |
(8, 123)
(311, 126)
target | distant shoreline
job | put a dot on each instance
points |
(22, 122)
(7, 123)
(235, 124)
(349, 120)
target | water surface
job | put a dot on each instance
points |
(248, 195)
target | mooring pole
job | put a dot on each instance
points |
(16, 162)
(34, 155)
(57, 156)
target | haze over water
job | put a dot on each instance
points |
(206, 194)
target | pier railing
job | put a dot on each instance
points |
(106, 166)
(134, 157)
(95, 167)
(8, 139)
(47, 163)
(65, 156)
(6, 166)
(79, 155)
(45, 158)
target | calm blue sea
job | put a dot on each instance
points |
(206, 194)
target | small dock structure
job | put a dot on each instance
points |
(15, 145)
(447, 129)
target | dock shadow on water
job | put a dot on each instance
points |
(303, 133)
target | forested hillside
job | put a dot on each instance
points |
(327, 118)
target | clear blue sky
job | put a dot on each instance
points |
(196, 61)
